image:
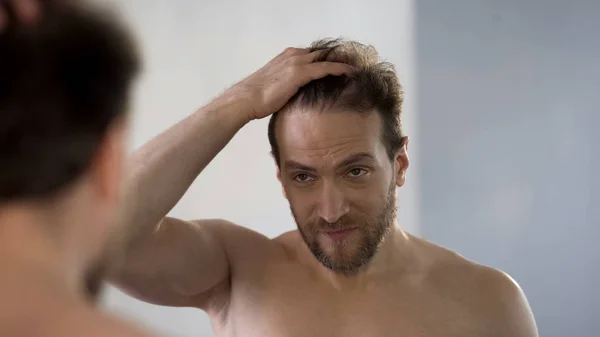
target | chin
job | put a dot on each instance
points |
(345, 267)
(346, 259)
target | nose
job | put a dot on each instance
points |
(333, 204)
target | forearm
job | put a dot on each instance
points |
(163, 169)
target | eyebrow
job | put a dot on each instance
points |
(353, 159)
(291, 165)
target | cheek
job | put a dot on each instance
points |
(301, 204)
(368, 200)
(365, 208)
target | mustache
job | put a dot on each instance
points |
(342, 223)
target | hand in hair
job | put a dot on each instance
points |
(267, 90)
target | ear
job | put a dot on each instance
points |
(278, 173)
(108, 164)
(401, 162)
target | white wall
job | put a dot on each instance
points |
(195, 49)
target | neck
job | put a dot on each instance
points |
(34, 249)
(389, 259)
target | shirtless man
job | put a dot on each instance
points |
(64, 78)
(349, 270)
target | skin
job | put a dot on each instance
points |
(251, 285)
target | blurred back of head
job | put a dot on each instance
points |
(373, 86)
(64, 81)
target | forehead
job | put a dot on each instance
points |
(331, 134)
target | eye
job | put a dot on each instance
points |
(303, 177)
(357, 172)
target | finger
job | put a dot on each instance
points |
(291, 52)
(307, 58)
(27, 11)
(314, 56)
(315, 71)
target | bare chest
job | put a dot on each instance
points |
(291, 308)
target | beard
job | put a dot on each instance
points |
(348, 257)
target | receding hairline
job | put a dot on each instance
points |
(292, 110)
(357, 154)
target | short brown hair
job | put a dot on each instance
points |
(63, 81)
(374, 85)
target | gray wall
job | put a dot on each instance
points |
(509, 111)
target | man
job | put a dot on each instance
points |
(65, 76)
(348, 270)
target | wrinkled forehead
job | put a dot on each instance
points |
(304, 135)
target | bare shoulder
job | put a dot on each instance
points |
(246, 248)
(288, 238)
(235, 236)
(489, 295)
(290, 243)
(230, 229)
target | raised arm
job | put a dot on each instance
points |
(174, 262)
